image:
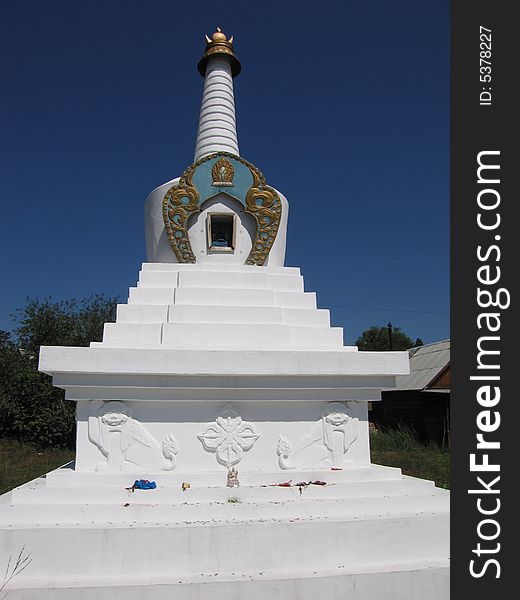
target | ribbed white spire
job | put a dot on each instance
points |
(217, 124)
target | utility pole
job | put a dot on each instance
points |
(389, 327)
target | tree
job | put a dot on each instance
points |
(31, 409)
(63, 323)
(378, 338)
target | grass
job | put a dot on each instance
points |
(400, 448)
(21, 462)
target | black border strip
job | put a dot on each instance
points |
(479, 127)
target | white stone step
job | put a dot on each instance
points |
(215, 279)
(265, 315)
(317, 337)
(225, 297)
(295, 299)
(213, 336)
(222, 296)
(306, 317)
(218, 279)
(228, 537)
(36, 492)
(227, 268)
(142, 313)
(287, 283)
(158, 279)
(178, 313)
(147, 296)
(65, 477)
(132, 333)
(424, 579)
(222, 510)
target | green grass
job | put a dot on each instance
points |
(21, 462)
(400, 448)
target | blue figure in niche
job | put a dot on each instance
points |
(222, 231)
(220, 241)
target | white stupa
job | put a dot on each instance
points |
(221, 363)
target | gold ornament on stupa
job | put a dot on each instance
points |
(219, 45)
(222, 173)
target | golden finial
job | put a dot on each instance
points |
(219, 45)
(218, 36)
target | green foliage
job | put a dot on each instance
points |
(400, 438)
(64, 323)
(31, 409)
(378, 338)
(401, 448)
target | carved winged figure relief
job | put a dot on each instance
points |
(125, 443)
(329, 440)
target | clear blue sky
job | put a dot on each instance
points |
(343, 105)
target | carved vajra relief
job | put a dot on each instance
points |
(327, 443)
(125, 444)
(229, 437)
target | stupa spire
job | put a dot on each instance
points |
(217, 122)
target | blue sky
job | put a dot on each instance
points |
(343, 105)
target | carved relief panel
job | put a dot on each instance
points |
(229, 437)
(325, 445)
(125, 444)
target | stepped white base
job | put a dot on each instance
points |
(207, 367)
(187, 306)
(369, 532)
